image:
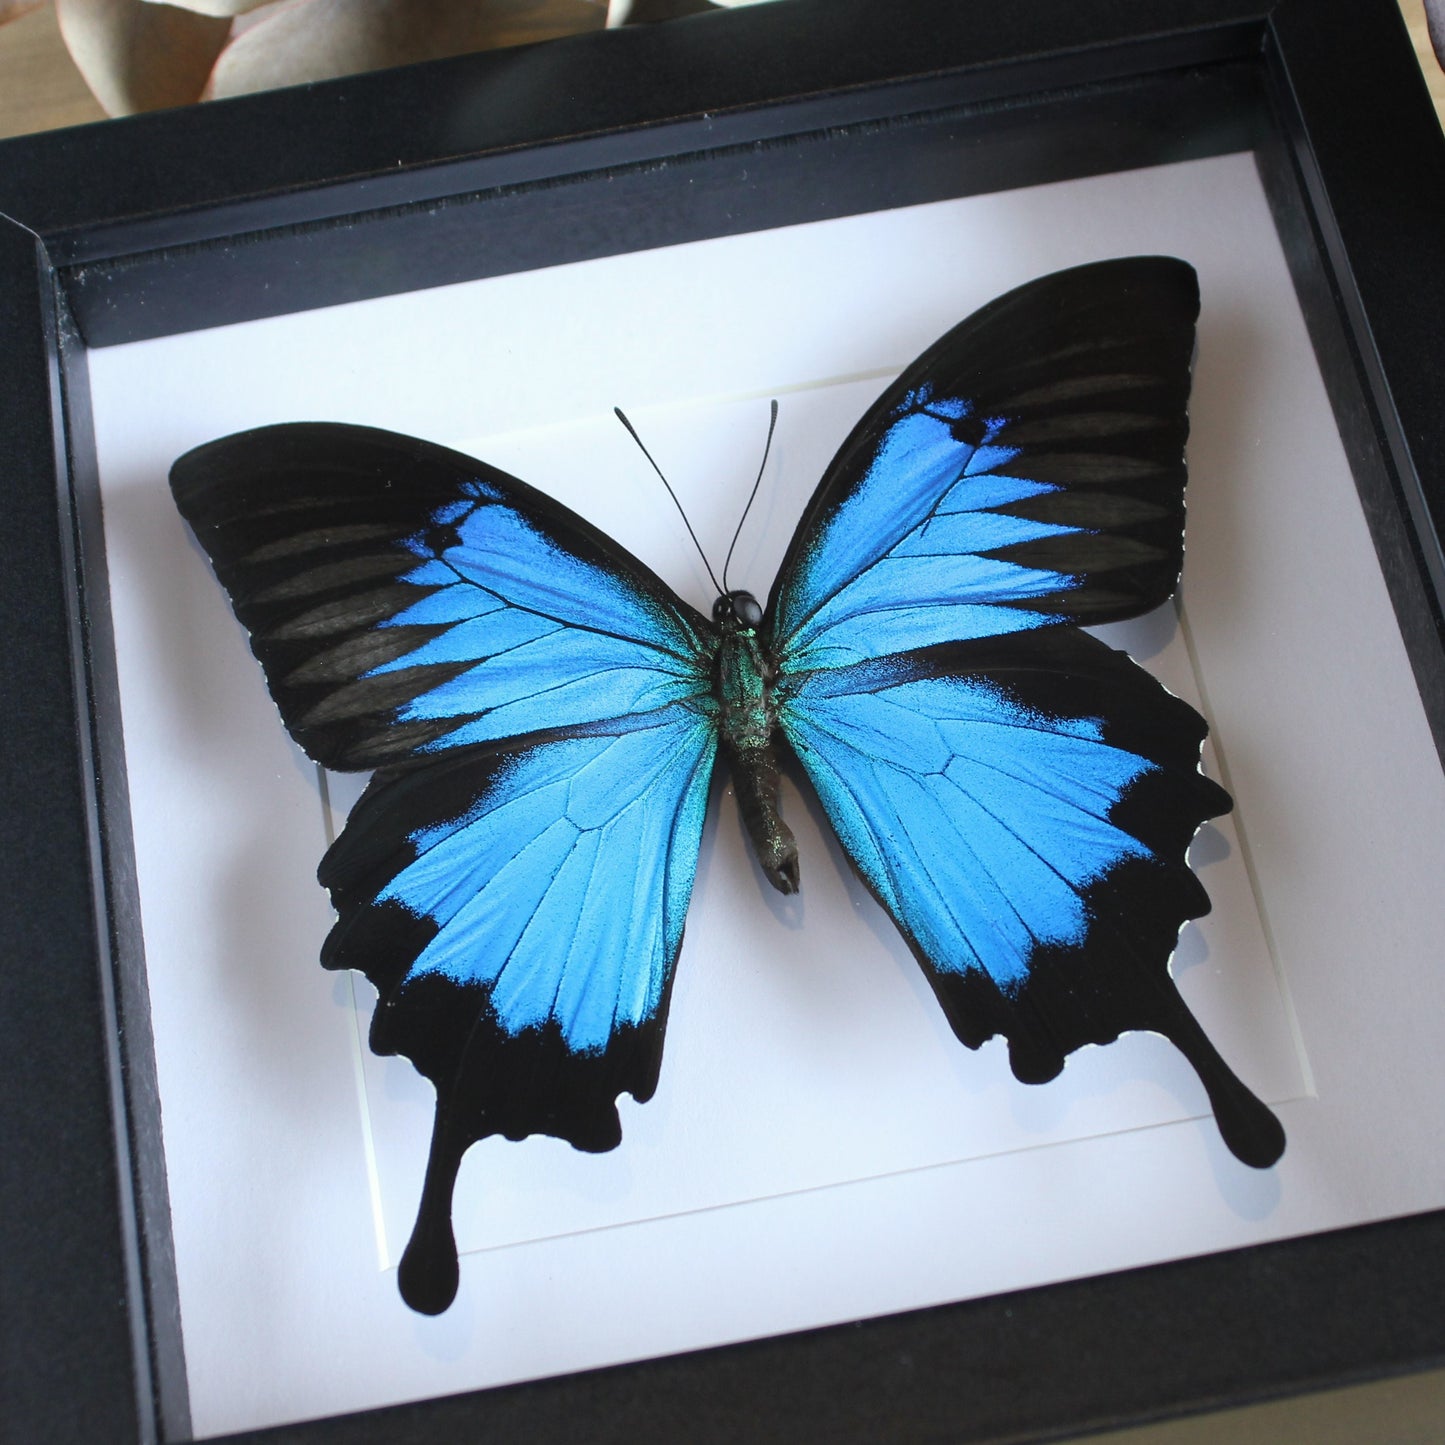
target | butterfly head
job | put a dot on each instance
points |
(738, 611)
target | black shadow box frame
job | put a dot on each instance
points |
(603, 144)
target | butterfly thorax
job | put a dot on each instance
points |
(743, 677)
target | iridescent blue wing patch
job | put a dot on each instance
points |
(1022, 807)
(1027, 469)
(544, 716)
(520, 910)
(404, 599)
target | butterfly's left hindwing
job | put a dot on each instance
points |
(520, 912)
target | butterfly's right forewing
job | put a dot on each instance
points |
(1027, 469)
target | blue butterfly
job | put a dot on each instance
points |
(544, 715)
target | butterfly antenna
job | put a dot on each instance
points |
(632, 430)
(767, 447)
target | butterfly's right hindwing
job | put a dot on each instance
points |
(1023, 808)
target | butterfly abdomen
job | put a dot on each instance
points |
(747, 718)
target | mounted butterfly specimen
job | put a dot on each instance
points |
(543, 715)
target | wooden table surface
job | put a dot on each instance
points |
(40, 89)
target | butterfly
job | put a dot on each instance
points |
(543, 715)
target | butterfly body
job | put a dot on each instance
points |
(747, 718)
(544, 716)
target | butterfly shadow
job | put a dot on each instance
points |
(1069, 1107)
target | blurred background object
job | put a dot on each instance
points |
(66, 62)
(40, 88)
(1427, 30)
(135, 55)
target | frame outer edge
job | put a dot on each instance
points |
(73, 1348)
(1381, 215)
(65, 1360)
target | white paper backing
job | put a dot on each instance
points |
(820, 1147)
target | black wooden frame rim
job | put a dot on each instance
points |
(465, 131)
(620, 141)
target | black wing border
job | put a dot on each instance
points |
(190, 219)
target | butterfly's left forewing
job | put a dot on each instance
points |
(404, 599)
(1018, 796)
(538, 705)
